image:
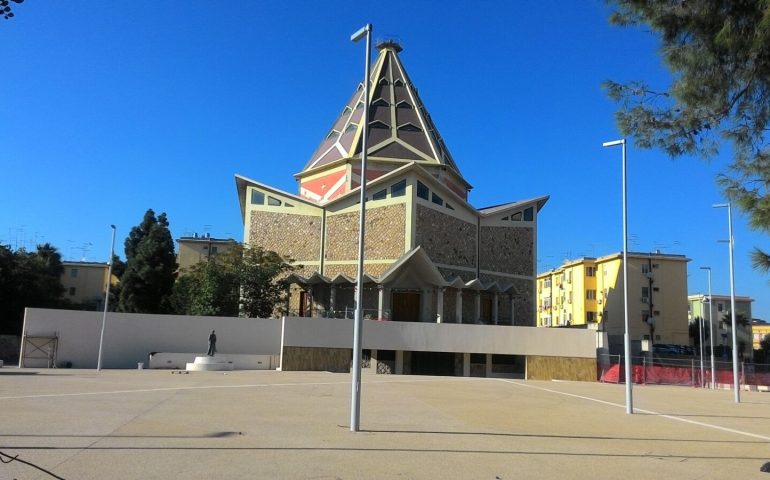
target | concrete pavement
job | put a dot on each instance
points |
(127, 424)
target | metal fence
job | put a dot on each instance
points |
(681, 371)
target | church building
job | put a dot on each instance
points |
(430, 256)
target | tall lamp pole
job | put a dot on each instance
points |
(733, 313)
(355, 402)
(106, 300)
(626, 335)
(711, 334)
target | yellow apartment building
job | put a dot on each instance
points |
(196, 249)
(759, 329)
(588, 293)
(85, 282)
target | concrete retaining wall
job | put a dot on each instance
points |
(130, 338)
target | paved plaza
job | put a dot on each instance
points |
(129, 424)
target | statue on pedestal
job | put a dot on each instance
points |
(212, 344)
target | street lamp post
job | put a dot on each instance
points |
(355, 403)
(711, 334)
(106, 300)
(700, 349)
(626, 335)
(733, 313)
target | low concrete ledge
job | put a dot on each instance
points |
(179, 361)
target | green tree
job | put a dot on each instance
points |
(262, 288)
(245, 281)
(718, 52)
(28, 279)
(695, 330)
(211, 287)
(5, 8)
(148, 280)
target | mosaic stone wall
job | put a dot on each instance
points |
(317, 359)
(450, 273)
(561, 368)
(295, 236)
(385, 232)
(373, 269)
(444, 238)
(507, 250)
(525, 313)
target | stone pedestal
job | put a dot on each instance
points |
(209, 364)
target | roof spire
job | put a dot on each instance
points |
(389, 44)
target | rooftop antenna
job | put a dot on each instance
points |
(85, 248)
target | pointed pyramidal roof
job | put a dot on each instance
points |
(400, 128)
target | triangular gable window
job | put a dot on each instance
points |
(380, 102)
(351, 128)
(409, 127)
(383, 81)
(332, 135)
(378, 124)
(398, 82)
(404, 104)
(346, 111)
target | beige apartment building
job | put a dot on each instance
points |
(85, 282)
(196, 249)
(588, 293)
(698, 306)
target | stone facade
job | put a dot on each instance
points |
(446, 239)
(385, 233)
(561, 368)
(295, 236)
(449, 273)
(316, 359)
(507, 249)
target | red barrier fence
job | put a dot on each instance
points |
(672, 375)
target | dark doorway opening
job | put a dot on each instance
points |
(406, 307)
(433, 363)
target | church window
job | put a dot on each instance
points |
(449, 206)
(288, 205)
(332, 135)
(398, 82)
(529, 214)
(346, 111)
(516, 217)
(507, 218)
(273, 202)
(378, 124)
(422, 190)
(436, 199)
(409, 127)
(382, 194)
(398, 189)
(257, 197)
(351, 128)
(404, 104)
(380, 102)
(359, 105)
(383, 81)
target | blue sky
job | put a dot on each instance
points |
(110, 108)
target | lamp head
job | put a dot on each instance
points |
(361, 33)
(613, 143)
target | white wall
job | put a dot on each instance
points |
(442, 337)
(129, 338)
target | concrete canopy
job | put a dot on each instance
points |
(413, 270)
